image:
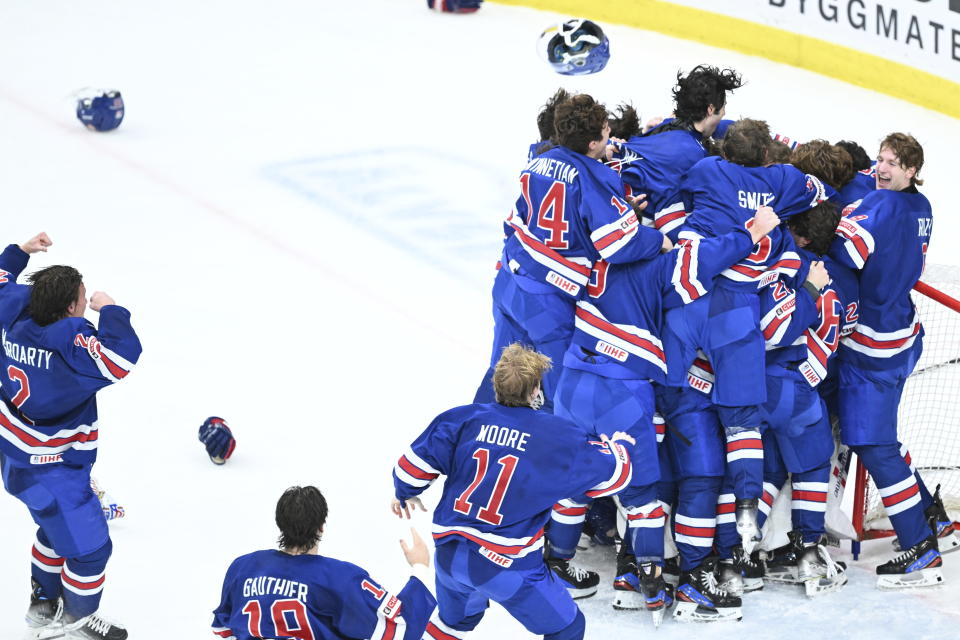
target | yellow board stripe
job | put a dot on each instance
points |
(833, 60)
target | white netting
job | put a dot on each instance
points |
(929, 417)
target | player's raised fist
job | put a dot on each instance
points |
(99, 300)
(763, 222)
(39, 242)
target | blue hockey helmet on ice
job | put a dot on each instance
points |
(455, 6)
(100, 111)
(575, 47)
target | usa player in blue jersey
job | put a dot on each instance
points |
(864, 179)
(885, 239)
(829, 162)
(571, 212)
(506, 465)
(614, 359)
(295, 592)
(721, 195)
(802, 327)
(55, 361)
(655, 163)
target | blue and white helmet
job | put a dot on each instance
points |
(575, 47)
(100, 109)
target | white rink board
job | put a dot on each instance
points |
(254, 211)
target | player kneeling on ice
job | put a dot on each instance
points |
(506, 465)
(297, 593)
(56, 362)
(802, 329)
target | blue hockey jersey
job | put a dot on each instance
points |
(51, 374)
(805, 332)
(655, 165)
(571, 212)
(505, 469)
(618, 325)
(272, 594)
(885, 238)
(721, 196)
(862, 183)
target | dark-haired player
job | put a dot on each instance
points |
(506, 466)
(802, 327)
(864, 179)
(54, 362)
(571, 213)
(295, 592)
(545, 124)
(885, 239)
(722, 194)
(656, 162)
(614, 360)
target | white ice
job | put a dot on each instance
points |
(302, 210)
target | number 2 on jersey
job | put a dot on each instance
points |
(19, 375)
(490, 513)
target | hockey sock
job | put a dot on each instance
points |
(926, 498)
(645, 525)
(566, 524)
(438, 630)
(898, 490)
(573, 631)
(695, 520)
(83, 579)
(46, 566)
(809, 502)
(745, 461)
(727, 536)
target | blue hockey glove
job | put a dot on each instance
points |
(455, 6)
(218, 439)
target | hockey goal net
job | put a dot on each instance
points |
(929, 416)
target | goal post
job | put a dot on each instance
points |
(929, 415)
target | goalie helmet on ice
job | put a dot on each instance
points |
(575, 47)
(100, 110)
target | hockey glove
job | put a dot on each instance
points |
(218, 439)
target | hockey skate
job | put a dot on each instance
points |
(741, 573)
(43, 615)
(817, 571)
(947, 537)
(746, 514)
(93, 627)
(781, 563)
(580, 583)
(657, 594)
(671, 571)
(918, 566)
(699, 599)
(626, 585)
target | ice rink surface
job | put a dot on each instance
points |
(302, 211)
